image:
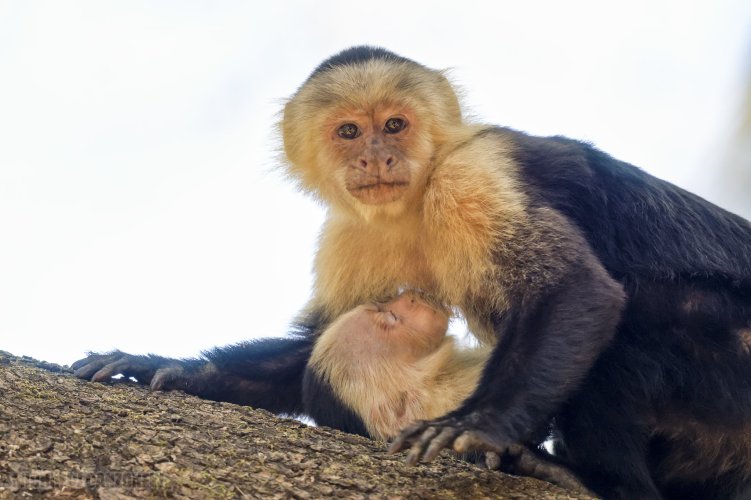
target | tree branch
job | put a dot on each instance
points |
(61, 437)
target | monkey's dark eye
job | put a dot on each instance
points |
(348, 131)
(394, 125)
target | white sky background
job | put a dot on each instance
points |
(139, 207)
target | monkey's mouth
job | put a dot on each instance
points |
(378, 192)
(380, 185)
(382, 308)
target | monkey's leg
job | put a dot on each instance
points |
(610, 458)
(546, 349)
(604, 438)
(265, 373)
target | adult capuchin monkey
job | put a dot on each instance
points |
(393, 365)
(618, 305)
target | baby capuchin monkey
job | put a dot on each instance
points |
(393, 364)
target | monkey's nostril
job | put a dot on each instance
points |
(363, 163)
(390, 161)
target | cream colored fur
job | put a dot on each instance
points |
(388, 393)
(463, 203)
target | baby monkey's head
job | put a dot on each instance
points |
(392, 363)
(405, 329)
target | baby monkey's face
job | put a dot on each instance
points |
(411, 312)
(407, 325)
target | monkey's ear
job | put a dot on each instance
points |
(298, 136)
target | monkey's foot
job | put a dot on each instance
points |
(520, 460)
(158, 373)
(426, 439)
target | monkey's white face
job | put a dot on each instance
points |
(378, 152)
(412, 312)
(405, 327)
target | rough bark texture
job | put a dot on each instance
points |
(61, 437)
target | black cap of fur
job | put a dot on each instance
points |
(358, 54)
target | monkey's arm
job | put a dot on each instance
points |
(265, 373)
(549, 337)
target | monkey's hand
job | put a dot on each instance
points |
(158, 373)
(472, 432)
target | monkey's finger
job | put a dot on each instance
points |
(405, 437)
(531, 465)
(473, 440)
(110, 370)
(415, 452)
(492, 460)
(443, 440)
(165, 378)
(82, 362)
(86, 370)
(515, 450)
(86, 367)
